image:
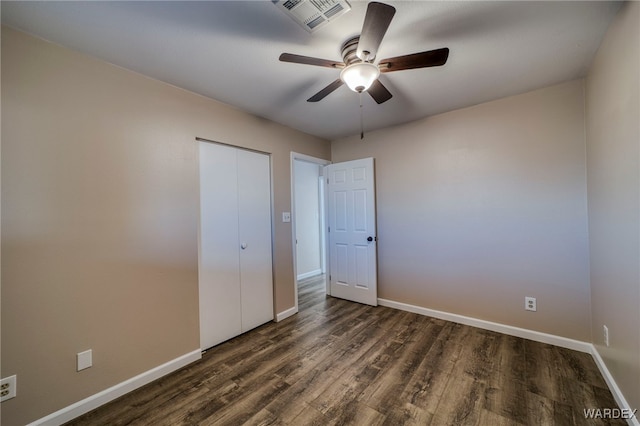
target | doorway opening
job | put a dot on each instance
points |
(308, 221)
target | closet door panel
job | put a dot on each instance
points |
(219, 264)
(254, 218)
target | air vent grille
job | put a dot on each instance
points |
(290, 4)
(335, 10)
(313, 14)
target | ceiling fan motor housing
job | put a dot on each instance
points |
(349, 49)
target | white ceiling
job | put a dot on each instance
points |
(228, 50)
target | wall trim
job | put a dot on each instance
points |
(84, 406)
(537, 336)
(310, 274)
(286, 313)
(613, 386)
(107, 395)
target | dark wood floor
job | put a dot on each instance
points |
(337, 362)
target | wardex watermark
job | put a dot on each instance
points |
(609, 413)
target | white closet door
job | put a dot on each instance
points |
(235, 275)
(219, 264)
(254, 218)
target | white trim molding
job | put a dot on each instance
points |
(107, 395)
(286, 313)
(310, 274)
(613, 387)
(537, 336)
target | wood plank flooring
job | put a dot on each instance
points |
(339, 363)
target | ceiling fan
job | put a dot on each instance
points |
(359, 72)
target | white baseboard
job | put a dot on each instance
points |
(537, 336)
(309, 274)
(613, 386)
(286, 314)
(107, 395)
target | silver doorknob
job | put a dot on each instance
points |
(243, 246)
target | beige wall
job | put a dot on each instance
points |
(477, 208)
(480, 207)
(99, 219)
(613, 140)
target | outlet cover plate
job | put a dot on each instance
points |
(84, 360)
(530, 304)
(8, 388)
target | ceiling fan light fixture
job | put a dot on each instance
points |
(360, 76)
(358, 53)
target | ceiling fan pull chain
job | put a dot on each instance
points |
(361, 118)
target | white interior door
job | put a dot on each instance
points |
(352, 231)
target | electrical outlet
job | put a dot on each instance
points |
(530, 304)
(606, 334)
(8, 388)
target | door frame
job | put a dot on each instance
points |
(295, 156)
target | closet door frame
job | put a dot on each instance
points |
(204, 269)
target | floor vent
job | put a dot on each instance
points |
(313, 14)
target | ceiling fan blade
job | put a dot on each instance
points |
(308, 60)
(324, 92)
(430, 58)
(379, 93)
(376, 22)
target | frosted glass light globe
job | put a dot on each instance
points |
(360, 76)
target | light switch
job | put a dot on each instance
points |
(84, 360)
(286, 216)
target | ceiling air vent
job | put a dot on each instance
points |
(313, 14)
